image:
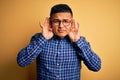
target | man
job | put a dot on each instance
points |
(60, 48)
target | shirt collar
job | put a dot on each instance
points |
(58, 38)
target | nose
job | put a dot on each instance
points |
(61, 24)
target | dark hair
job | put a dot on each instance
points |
(60, 8)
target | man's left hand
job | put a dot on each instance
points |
(74, 31)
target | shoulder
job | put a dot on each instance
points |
(36, 36)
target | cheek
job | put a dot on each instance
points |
(54, 29)
(68, 27)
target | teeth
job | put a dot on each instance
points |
(61, 31)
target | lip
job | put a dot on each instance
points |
(61, 31)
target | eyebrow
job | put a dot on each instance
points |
(62, 19)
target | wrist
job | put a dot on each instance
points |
(75, 39)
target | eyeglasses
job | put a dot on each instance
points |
(57, 22)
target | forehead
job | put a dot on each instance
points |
(62, 15)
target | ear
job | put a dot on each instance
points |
(50, 22)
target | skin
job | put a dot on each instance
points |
(72, 30)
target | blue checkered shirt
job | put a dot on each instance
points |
(58, 59)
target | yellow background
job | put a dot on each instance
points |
(99, 23)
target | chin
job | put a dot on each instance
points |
(62, 35)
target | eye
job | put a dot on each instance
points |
(65, 21)
(55, 21)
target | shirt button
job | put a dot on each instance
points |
(58, 52)
(57, 64)
(57, 76)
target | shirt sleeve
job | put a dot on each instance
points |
(91, 59)
(31, 51)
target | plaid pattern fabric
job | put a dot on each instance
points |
(58, 59)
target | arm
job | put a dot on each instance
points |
(91, 60)
(29, 53)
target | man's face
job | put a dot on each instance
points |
(60, 23)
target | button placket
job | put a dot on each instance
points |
(59, 60)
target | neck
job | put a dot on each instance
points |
(59, 37)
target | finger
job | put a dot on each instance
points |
(47, 20)
(73, 23)
(41, 25)
(78, 28)
(48, 24)
(50, 29)
(68, 28)
(76, 25)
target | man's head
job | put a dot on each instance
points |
(60, 17)
(60, 8)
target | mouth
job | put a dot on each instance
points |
(61, 31)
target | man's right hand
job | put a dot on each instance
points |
(47, 29)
